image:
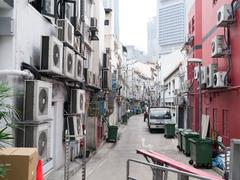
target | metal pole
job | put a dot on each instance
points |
(200, 99)
(66, 164)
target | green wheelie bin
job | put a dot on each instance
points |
(169, 130)
(125, 118)
(180, 137)
(186, 135)
(112, 133)
(201, 153)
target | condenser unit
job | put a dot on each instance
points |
(79, 68)
(66, 31)
(196, 72)
(39, 136)
(77, 43)
(6, 4)
(93, 26)
(68, 62)
(218, 46)
(225, 16)
(76, 22)
(203, 75)
(77, 101)
(220, 79)
(211, 69)
(37, 101)
(52, 55)
(74, 127)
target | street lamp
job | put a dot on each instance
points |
(199, 62)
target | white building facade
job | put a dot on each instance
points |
(171, 25)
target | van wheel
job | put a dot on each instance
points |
(150, 130)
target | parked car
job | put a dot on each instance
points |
(158, 117)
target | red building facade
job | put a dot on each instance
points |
(221, 103)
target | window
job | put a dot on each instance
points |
(45, 7)
(225, 128)
(106, 22)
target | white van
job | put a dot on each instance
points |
(158, 117)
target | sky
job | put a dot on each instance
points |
(133, 17)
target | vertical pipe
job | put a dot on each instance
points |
(200, 100)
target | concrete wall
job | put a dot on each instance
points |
(25, 46)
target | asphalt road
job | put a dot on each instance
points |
(110, 161)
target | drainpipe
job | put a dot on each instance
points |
(24, 73)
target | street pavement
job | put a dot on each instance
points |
(109, 163)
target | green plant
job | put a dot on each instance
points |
(8, 115)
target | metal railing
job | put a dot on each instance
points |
(161, 172)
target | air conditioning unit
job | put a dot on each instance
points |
(52, 52)
(6, 4)
(107, 80)
(225, 16)
(66, 31)
(76, 22)
(106, 61)
(37, 101)
(77, 43)
(77, 101)
(74, 127)
(218, 46)
(68, 62)
(211, 69)
(220, 79)
(39, 136)
(79, 68)
(196, 72)
(93, 24)
(204, 75)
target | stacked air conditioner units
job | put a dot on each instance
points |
(37, 119)
(70, 33)
(75, 123)
(211, 70)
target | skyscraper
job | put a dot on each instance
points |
(116, 18)
(152, 45)
(171, 25)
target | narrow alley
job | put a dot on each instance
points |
(110, 161)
